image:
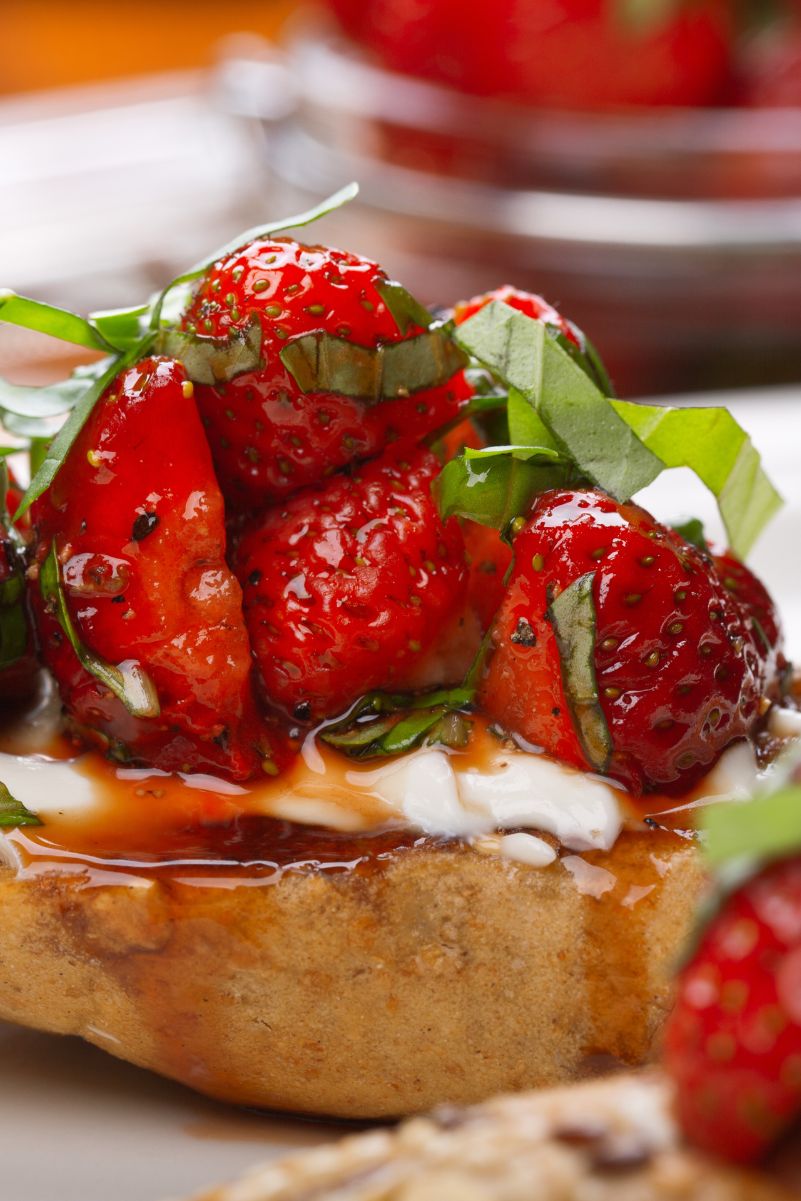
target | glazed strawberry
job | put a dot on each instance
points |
(676, 672)
(136, 519)
(349, 586)
(488, 559)
(525, 302)
(577, 54)
(733, 1042)
(268, 436)
(536, 307)
(761, 616)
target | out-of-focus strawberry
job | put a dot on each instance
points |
(733, 1042)
(575, 54)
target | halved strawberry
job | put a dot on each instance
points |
(131, 570)
(348, 587)
(268, 436)
(669, 674)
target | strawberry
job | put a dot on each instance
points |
(488, 559)
(762, 619)
(677, 673)
(576, 54)
(529, 303)
(136, 519)
(525, 302)
(269, 437)
(347, 587)
(733, 1042)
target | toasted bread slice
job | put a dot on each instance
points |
(425, 975)
(608, 1140)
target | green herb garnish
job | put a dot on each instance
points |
(613, 444)
(495, 485)
(128, 681)
(13, 813)
(383, 724)
(214, 360)
(321, 362)
(572, 615)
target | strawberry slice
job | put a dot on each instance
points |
(270, 437)
(666, 673)
(134, 592)
(348, 587)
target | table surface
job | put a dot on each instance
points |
(81, 1126)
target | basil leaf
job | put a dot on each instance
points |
(59, 448)
(321, 362)
(47, 319)
(384, 724)
(495, 485)
(526, 427)
(122, 328)
(214, 360)
(405, 310)
(37, 452)
(712, 444)
(765, 828)
(40, 403)
(343, 196)
(572, 614)
(692, 531)
(13, 813)
(585, 355)
(128, 681)
(581, 420)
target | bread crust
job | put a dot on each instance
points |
(610, 1140)
(437, 975)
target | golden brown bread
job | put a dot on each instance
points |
(609, 1140)
(437, 974)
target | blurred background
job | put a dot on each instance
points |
(636, 161)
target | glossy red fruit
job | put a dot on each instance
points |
(267, 436)
(678, 675)
(138, 521)
(348, 587)
(576, 54)
(762, 618)
(733, 1042)
(525, 302)
(488, 560)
